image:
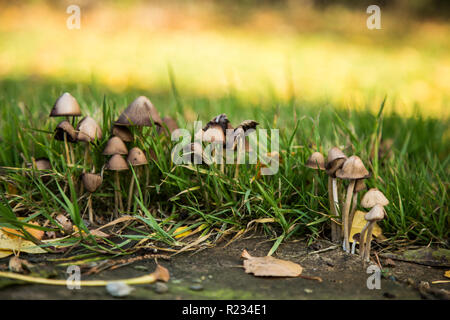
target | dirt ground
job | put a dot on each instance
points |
(217, 273)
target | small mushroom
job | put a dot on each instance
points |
(316, 161)
(239, 137)
(375, 214)
(115, 146)
(335, 160)
(91, 182)
(40, 164)
(140, 112)
(370, 199)
(352, 169)
(117, 163)
(136, 158)
(88, 131)
(171, 125)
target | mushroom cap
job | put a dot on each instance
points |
(42, 164)
(115, 146)
(359, 185)
(374, 197)
(66, 105)
(220, 120)
(117, 163)
(140, 112)
(335, 160)
(214, 133)
(91, 181)
(89, 130)
(316, 161)
(136, 157)
(352, 169)
(357, 237)
(65, 127)
(375, 214)
(248, 124)
(123, 133)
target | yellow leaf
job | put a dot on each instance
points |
(5, 253)
(447, 274)
(358, 224)
(18, 244)
(184, 234)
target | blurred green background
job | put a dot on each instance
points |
(316, 51)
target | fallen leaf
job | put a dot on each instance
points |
(98, 233)
(447, 274)
(65, 223)
(38, 234)
(183, 234)
(19, 265)
(18, 244)
(270, 267)
(358, 224)
(5, 253)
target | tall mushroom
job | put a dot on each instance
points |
(335, 160)
(136, 158)
(117, 163)
(240, 142)
(66, 106)
(65, 132)
(91, 182)
(88, 131)
(370, 199)
(352, 169)
(375, 214)
(316, 161)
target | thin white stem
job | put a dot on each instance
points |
(362, 239)
(348, 200)
(368, 242)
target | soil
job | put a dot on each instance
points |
(217, 273)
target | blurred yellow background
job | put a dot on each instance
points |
(296, 50)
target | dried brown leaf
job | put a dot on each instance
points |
(270, 267)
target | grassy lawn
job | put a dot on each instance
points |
(318, 79)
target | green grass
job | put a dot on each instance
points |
(415, 179)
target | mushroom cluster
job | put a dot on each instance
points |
(339, 169)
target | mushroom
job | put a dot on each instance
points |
(40, 164)
(123, 133)
(370, 199)
(91, 182)
(352, 169)
(88, 131)
(117, 163)
(140, 112)
(66, 106)
(316, 161)
(375, 214)
(65, 132)
(359, 186)
(239, 135)
(115, 146)
(214, 134)
(335, 160)
(136, 157)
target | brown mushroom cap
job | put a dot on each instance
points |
(136, 157)
(66, 105)
(65, 127)
(375, 214)
(41, 164)
(220, 120)
(88, 130)
(335, 160)
(170, 123)
(123, 133)
(248, 124)
(115, 146)
(91, 181)
(359, 185)
(214, 133)
(374, 197)
(352, 169)
(316, 161)
(117, 163)
(140, 112)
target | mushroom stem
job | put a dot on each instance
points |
(362, 239)
(91, 212)
(334, 230)
(353, 246)
(336, 206)
(368, 242)
(352, 213)
(66, 147)
(348, 200)
(116, 194)
(86, 156)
